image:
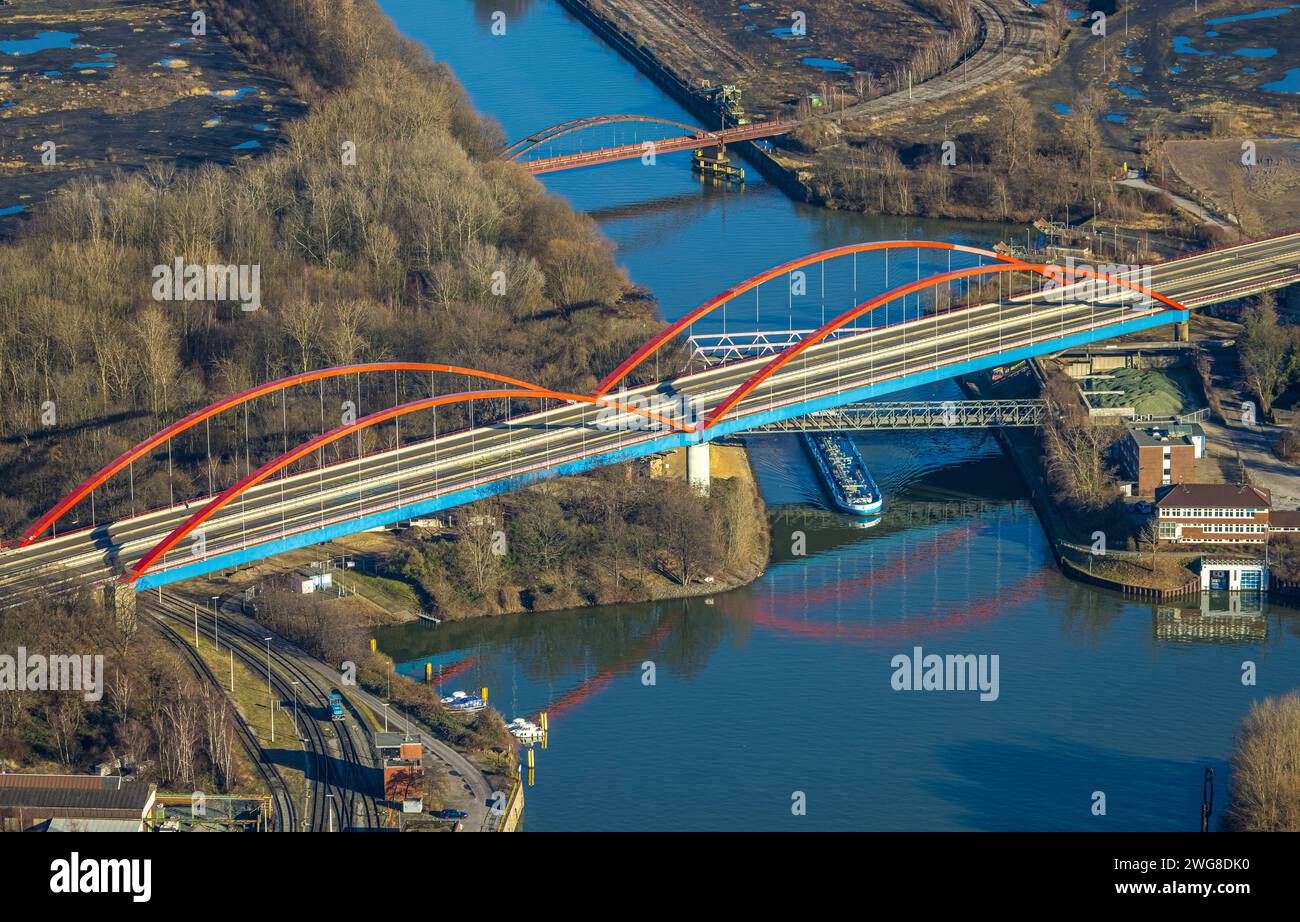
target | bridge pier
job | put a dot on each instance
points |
(697, 467)
(713, 161)
(1182, 332)
(120, 600)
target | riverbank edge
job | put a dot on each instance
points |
(794, 182)
(747, 572)
(1023, 451)
(789, 181)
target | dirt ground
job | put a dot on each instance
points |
(748, 43)
(1175, 68)
(1264, 197)
(121, 86)
(365, 544)
(1253, 445)
(725, 462)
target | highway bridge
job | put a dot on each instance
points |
(262, 514)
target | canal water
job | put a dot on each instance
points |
(781, 691)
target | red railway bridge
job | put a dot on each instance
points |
(696, 138)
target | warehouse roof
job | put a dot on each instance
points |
(111, 796)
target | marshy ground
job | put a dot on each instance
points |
(761, 46)
(1194, 82)
(121, 86)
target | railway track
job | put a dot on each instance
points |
(286, 815)
(340, 793)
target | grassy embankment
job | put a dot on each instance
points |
(250, 697)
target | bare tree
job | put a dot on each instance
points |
(1266, 768)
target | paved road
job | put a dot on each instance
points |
(1185, 204)
(538, 442)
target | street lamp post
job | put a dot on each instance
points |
(295, 709)
(269, 695)
(384, 705)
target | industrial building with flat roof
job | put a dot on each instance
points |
(74, 803)
(1159, 455)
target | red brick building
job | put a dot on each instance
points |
(1212, 513)
(1284, 522)
(1156, 456)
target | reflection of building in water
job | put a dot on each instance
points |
(1221, 616)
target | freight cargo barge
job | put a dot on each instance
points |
(847, 479)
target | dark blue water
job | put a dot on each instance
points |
(784, 686)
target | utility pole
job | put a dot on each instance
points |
(270, 697)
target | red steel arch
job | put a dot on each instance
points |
(666, 334)
(533, 141)
(753, 381)
(103, 474)
(217, 503)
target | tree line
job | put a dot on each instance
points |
(613, 536)
(384, 228)
(163, 723)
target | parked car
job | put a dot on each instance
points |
(448, 813)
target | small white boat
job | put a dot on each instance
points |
(525, 730)
(463, 701)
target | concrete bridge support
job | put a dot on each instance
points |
(697, 467)
(120, 600)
